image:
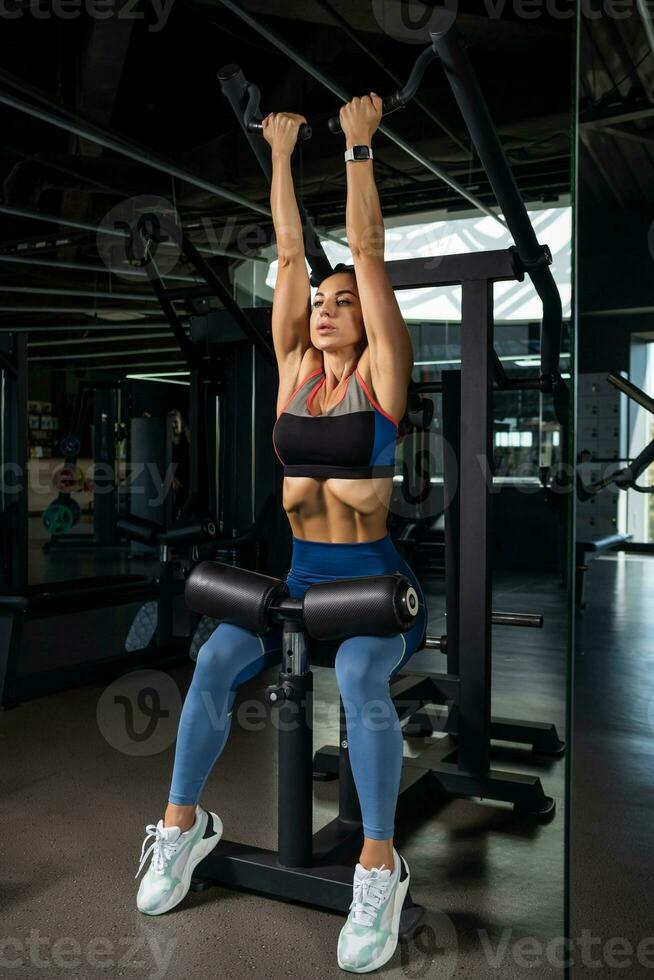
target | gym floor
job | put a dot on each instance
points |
(78, 805)
(613, 763)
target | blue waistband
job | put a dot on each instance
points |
(319, 560)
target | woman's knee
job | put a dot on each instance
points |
(227, 651)
(359, 667)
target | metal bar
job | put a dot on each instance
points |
(275, 39)
(471, 102)
(354, 37)
(81, 267)
(56, 327)
(128, 367)
(623, 311)
(447, 270)
(631, 391)
(228, 301)
(295, 791)
(93, 229)
(186, 347)
(189, 292)
(474, 561)
(107, 353)
(624, 111)
(627, 134)
(127, 149)
(531, 620)
(79, 341)
(643, 10)
(54, 291)
(236, 90)
(451, 423)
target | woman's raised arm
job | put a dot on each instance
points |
(291, 303)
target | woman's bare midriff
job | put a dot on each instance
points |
(328, 509)
(340, 511)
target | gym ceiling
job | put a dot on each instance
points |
(149, 81)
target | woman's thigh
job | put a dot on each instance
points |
(232, 654)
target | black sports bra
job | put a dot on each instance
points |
(353, 440)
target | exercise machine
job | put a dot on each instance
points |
(310, 868)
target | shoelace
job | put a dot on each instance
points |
(160, 848)
(369, 894)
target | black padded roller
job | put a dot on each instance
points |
(375, 605)
(233, 595)
(199, 531)
(139, 529)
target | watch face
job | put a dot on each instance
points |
(360, 153)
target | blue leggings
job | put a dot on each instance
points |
(364, 666)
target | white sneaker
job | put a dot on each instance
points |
(369, 937)
(174, 858)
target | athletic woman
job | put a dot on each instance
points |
(344, 366)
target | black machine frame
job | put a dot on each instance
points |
(309, 868)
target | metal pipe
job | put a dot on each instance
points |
(470, 99)
(647, 21)
(78, 341)
(66, 309)
(83, 226)
(54, 291)
(55, 328)
(631, 391)
(354, 37)
(237, 90)
(81, 267)
(107, 353)
(127, 149)
(532, 620)
(127, 367)
(300, 60)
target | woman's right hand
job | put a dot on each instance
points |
(280, 130)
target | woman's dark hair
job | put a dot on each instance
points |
(342, 267)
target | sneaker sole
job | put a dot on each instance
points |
(200, 851)
(391, 945)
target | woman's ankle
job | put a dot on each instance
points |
(375, 853)
(180, 816)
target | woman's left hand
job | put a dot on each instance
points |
(361, 117)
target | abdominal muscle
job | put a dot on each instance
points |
(337, 511)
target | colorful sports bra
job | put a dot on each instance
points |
(354, 439)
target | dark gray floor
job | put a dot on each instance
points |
(75, 804)
(612, 852)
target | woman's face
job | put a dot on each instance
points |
(336, 318)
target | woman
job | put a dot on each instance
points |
(344, 368)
